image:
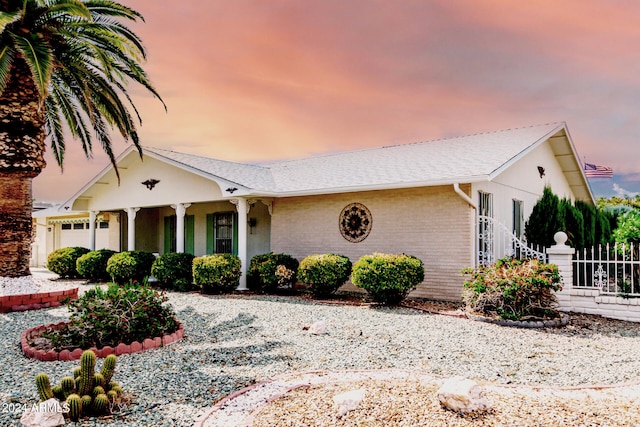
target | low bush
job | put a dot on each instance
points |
(217, 273)
(130, 265)
(512, 289)
(388, 278)
(63, 261)
(174, 271)
(93, 265)
(324, 273)
(119, 314)
(264, 274)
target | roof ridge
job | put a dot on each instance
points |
(203, 157)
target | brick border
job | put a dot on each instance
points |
(23, 302)
(122, 348)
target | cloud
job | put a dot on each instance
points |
(621, 192)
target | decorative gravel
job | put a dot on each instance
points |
(232, 342)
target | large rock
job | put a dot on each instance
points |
(462, 395)
(318, 328)
(348, 401)
(46, 414)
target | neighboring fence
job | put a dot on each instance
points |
(604, 281)
(612, 269)
(496, 241)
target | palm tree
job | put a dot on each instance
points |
(62, 62)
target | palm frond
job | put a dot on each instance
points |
(54, 130)
(7, 18)
(38, 57)
(100, 8)
(6, 59)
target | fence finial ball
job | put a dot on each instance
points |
(560, 237)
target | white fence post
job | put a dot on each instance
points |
(562, 255)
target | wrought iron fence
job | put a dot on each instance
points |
(613, 269)
(496, 241)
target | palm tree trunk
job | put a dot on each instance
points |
(22, 137)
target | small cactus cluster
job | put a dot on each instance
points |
(87, 392)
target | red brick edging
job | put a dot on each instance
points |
(122, 348)
(36, 301)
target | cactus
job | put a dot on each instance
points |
(117, 389)
(68, 385)
(58, 393)
(98, 390)
(100, 403)
(98, 380)
(75, 406)
(86, 403)
(112, 395)
(108, 367)
(87, 365)
(76, 372)
(44, 386)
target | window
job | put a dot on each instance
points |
(223, 233)
(485, 228)
(78, 226)
(66, 226)
(103, 224)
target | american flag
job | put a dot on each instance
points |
(595, 171)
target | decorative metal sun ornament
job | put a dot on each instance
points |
(355, 222)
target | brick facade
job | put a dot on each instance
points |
(431, 223)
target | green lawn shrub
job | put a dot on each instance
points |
(63, 261)
(218, 273)
(265, 273)
(513, 289)
(127, 313)
(324, 273)
(174, 271)
(388, 278)
(130, 266)
(93, 265)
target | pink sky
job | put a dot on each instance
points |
(251, 80)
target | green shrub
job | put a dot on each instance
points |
(388, 278)
(63, 261)
(93, 265)
(119, 314)
(131, 265)
(324, 273)
(174, 270)
(512, 289)
(217, 273)
(262, 271)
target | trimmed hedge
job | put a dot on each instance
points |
(174, 270)
(324, 273)
(388, 278)
(130, 266)
(264, 274)
(217, 273)
(63, 261)
(93, 265)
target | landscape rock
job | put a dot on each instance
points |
(463, 395)
(46, 414)
(318, 328)
(348, 401)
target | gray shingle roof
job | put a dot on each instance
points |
(444, 161)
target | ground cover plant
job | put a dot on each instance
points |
(119, 314)
(513, 289)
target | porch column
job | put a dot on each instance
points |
(241, 207)
(131, 228)
(92, 230)
(562, 255)
(181, 210)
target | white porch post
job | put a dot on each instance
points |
(92, 230)
(241, 206)
(131, 228)
(181, 210)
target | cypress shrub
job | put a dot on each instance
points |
(573, 223)
(545, 220)
(589, 215)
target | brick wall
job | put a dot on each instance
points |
(431, 223)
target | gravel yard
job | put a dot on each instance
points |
(232, 342)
